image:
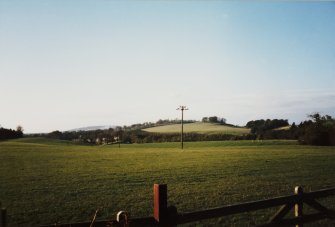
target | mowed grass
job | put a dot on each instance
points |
(200, 127)
(48, 181)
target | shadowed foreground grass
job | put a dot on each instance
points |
(48, 181)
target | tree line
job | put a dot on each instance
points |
(317, 130)
(6, 134)
(214, 119)
(126, 136)
(260, 126)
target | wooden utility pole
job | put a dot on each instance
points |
(182, 108)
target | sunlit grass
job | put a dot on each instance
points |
(47, 181)
(199, 127)
(283, 128)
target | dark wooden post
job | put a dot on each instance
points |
(299, 205)
(182, 129)
(182, 108)
(3, 221)
(160, 203)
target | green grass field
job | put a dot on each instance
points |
(200, 127)
(47, 181)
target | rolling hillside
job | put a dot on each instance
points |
(199, 127)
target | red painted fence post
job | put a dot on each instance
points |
(160, 203)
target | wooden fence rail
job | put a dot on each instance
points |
(164, 215)
(287, 202)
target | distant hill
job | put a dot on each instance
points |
(92, 128)
(200, 127)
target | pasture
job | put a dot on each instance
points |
(199, 127)
(47, 181)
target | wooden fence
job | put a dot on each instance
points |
(164, 215)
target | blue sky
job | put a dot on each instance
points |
(67, 64)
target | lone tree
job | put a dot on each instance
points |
(19, 131)
(19, 128)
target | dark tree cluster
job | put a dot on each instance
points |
(6, 134)
(320, 130)
(214, 119)
(107, 136)
(261, 127)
